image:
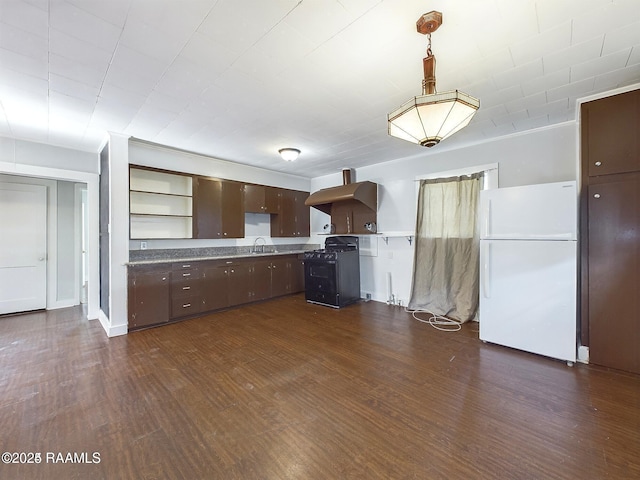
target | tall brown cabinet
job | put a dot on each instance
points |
(610, 231)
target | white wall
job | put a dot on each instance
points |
(539, 156)
(40, 155)
(117, 321)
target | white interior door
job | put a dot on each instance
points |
(23, 247)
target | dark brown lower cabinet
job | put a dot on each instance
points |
(215, 288)
(277, 277)
(240, 281)
(167, 292)
(614, 271)
(149, 294)
(280, 284)
(296, 274)
(261, 279)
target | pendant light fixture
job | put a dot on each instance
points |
(431, 117)
(289, 154)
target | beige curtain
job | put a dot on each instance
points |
(446, 263)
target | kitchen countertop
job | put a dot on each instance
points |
(214, 257)
(158, 256)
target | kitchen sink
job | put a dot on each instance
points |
(264, 251)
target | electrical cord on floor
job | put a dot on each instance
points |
(436, 321)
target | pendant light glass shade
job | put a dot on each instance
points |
(428, 119)
(431, 117)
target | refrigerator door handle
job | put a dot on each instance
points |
(487, 218)
(486, 287)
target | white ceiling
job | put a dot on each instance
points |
(239, 79)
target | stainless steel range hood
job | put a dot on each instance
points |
(365, 193)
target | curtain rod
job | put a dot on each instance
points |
(451, 174)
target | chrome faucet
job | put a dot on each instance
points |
(255, 245)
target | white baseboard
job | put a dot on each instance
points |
(62, 304)
(111, 330)
(117, 330)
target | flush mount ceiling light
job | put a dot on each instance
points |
(289, 154)
(431, 117)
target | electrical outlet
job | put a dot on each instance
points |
(143, 245)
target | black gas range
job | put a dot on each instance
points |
(332, 274)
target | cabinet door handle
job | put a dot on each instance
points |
(597, 164)
(597, 195)
(186, 288)
(186, 266)
(186, 274)
(186, 305)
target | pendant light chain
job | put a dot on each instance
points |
(429, 77)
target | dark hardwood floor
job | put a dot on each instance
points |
(289, 390)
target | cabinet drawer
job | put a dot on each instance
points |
(186, 288)
(184, 306)
(186, 275)
(176, 266)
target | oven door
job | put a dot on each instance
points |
(320, 275)
(320, 281)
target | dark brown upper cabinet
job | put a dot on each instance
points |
(610, 140)
(293, 215)
(302, 214)
(351, 217)
(352, 206)
(260, 199)
(218, 208)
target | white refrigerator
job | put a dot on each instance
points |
(528, 268)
